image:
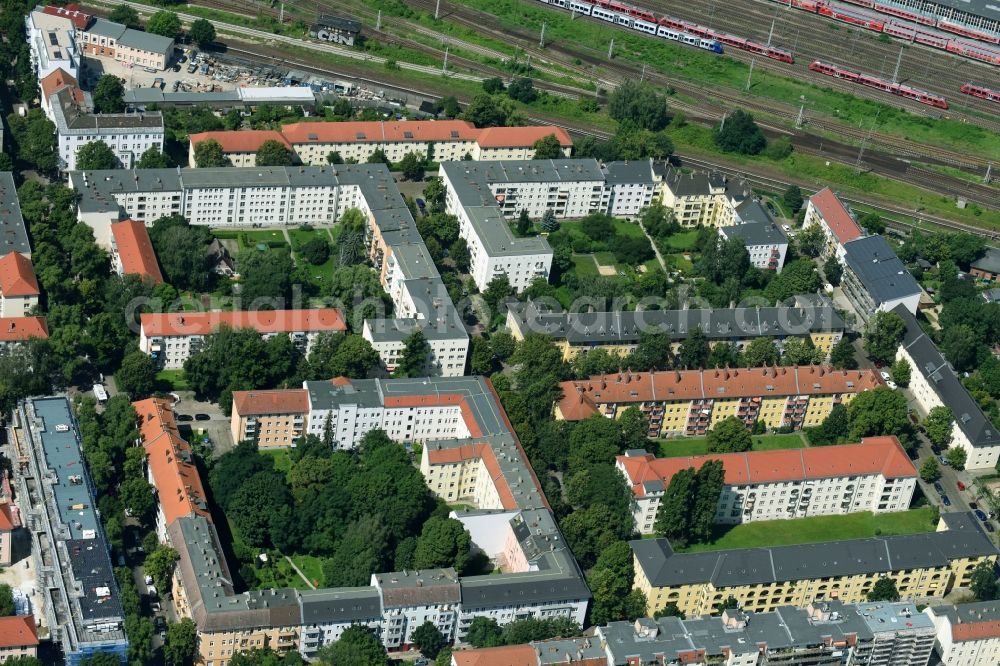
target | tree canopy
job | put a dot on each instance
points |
(164, 23)
(96, 155)
(883, 333)
(739, 133)
(272, 153)
(639, 104)
(729, 435)
(182, 251)
(548, 148)
(202, 32)
(209, 153)
(108, 95)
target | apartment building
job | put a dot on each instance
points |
(987, 267)
(19, 290)
(967, 634)
(619, 331)
(822, 632)
(632, 186)
(839, 228)
(540, 579)
(7, 527)
(875, 279)
(700, 198)
(127, 46)
(437, 140)
(934, 383)
(585, 651)
(132, 251)
(13, 232)
(271, 196)
(170, 338)
(690, 402)
(875, 475)
(765, 241)
(81, 605)
(18, 330)
(761, 579)
(53, 39)
(239, 147)
(274, 419)
(18, 637)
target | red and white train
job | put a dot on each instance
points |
(932, 21)
(915, 94)
(667, 27)
(910, 32)
(981, 92)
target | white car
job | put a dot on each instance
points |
(891, 384)
(885, 375)
(787, 228)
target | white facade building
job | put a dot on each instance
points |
(834, 219)
(52, 38)
(967, 634)
(875, 475)
(172, 337)
(19, 290)
(766, 244)
(631, 187)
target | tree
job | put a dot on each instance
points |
(900, 372)
(377, 157)
(271, 153)
(834, 429)
(523, 222)
(956, 457)
(548, 148)
(832, 270)
(6, 600)
(522, 90)
(729, 436)
(797, 277)
(109, 93)
(333, 157)
(160, 566)
(673, 517)
(792, 198)
(938, 425)
(872, 223)
(694, 350)
(152, 157)
(316, 251)
(739, 133)
(984, 582)
(639, 104)
(878, 412)
(460, 255)
(842, 355)
(493, 85)
(182, 252)
(434, 195)
(415, 357)
(208, 154)
(125, 15)
(810, 241)
(202, 32)
(412, 166)
(137, 375)
(252, 505)
(164, 23)
(800, 351)
(549, 222)
(357, 645)
(929, 470)
(611, 585)
(492, 111)
(444, 542)
(883, 590)
(34, 139)
(428, 639)
(265, 279)
(709, 480)
(883, 333)
(961, 346)
(760, 352)
(137, 497)
(140, 639)
(96, 155)
(484, 632)
(181, 644)
(100, 659)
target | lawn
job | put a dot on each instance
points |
(173, 380)
(282, 459)
(301, 236)
(820, 528)
(584, 264)
(677, 262)
(605, 258)
(311, 566)
(697, 446)
(321, 275)
(683, 241)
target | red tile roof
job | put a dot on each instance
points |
(178, 484)
(508, 655)
(136, 250)
(17, 276)
(279, 401)
(503, 137)
(6, 519)
(264, 321)
(874, 455)
(72, 12)
(241, 141)
(20, 329)
(975, 631)
(18, 631)
(58, 80)
(835, 215)
(581, 398)
(380, 131)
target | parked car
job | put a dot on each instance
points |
(938, 487)
(973, 506)
(185, 417)
(159, 623)
(891, 384)
(989, 527)
(192, 68)
(182, 59)
(885, 375)
(945, 500)
(943, 461)
(981, 515)
(961, 486)
(202, 417)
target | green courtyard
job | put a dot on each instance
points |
(698, 446)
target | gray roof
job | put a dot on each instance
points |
(636, 171)
(564, 650)
(991, 295)
(979, 611)
(626, 326)
(932, 365)
(346, 24)
(886, 616)
(418, 587)
(880, 271)
(340, 605)
(989, 262)
(750, 211)
(756, 233)
(223, 99)
(71, 119)
(105, 28)
(702, 183)
(13, 234)
(748, 566)
(146, 41)
(987, 8)
(498, 240)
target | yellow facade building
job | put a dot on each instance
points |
(763, 579)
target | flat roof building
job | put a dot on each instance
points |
(875, 279)
(13, 233)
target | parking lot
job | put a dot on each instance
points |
(206, 77)
(194, 417)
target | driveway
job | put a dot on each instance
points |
(216, 426)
